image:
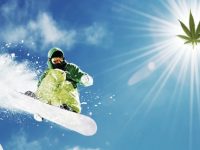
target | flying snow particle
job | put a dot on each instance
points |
(7, 45)
(90, 113)
(84, 103)
(97, 97)
(13, 55)
(15, 76)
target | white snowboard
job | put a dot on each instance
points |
(70, 120)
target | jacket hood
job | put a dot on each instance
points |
(54, 52)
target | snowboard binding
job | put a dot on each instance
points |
(66, 107)
(31, 94)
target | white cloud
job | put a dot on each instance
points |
(95, 34)
(15, 34)
(79, 148)
(8, 9)
(20, 141)
(43, 29)
(48, 30)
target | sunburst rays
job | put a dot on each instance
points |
(168, 52)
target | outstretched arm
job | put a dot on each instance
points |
(77, 75)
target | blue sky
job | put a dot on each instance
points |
(146, 86)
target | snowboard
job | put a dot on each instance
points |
(73, 121)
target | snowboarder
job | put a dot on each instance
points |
(58, 84)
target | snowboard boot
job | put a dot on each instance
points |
(31, 94)
(66, 107)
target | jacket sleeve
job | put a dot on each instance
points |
(74, 73)
(42, 77)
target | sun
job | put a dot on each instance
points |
(168, 51)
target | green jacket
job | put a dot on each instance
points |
(73, 72)
(56, 87)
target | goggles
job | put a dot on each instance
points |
(57, 60)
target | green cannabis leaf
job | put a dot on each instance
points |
(192, 35)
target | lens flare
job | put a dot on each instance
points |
(167, 52)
